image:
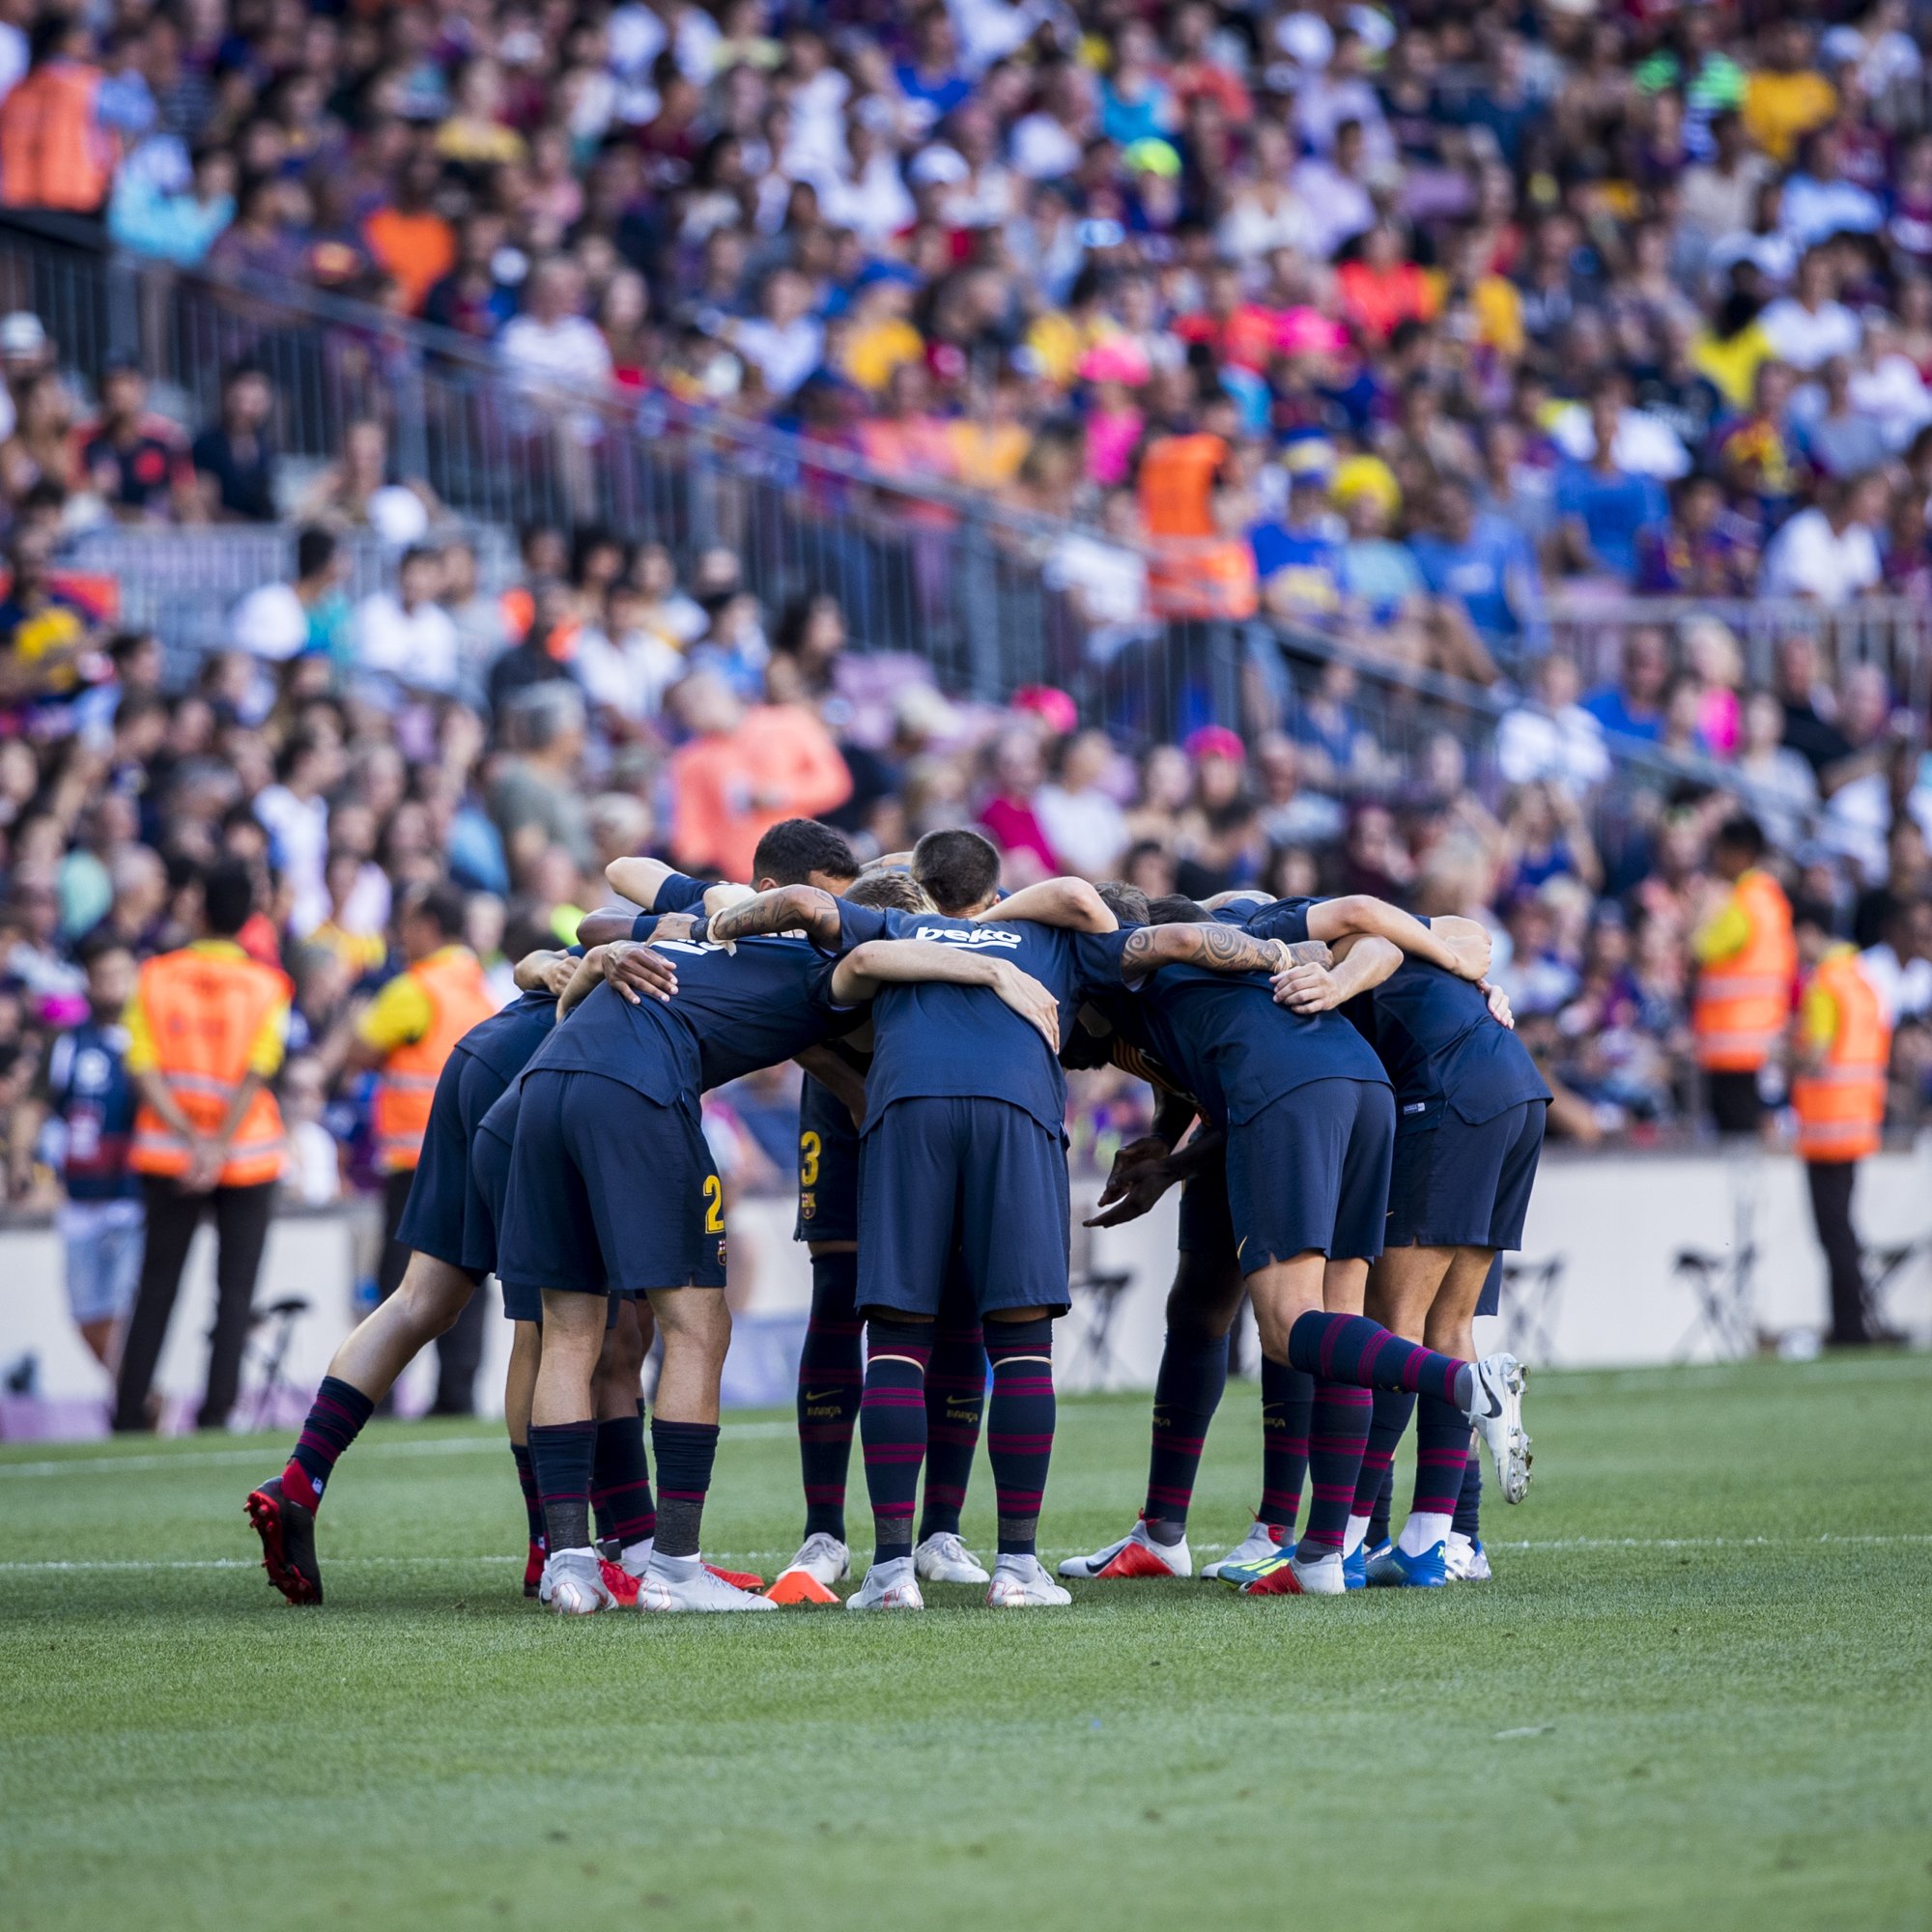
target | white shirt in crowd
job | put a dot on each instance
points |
(297, 828)
(416, 647)
(1807, 338)
(1809, 558)
(1565, 746)
(875, 204)
(1904, 990)
(269, 622)
(569, 353)
(629, 676)
(784, 353)
(1086, 829)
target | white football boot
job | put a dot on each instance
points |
(662, 1588)
(888, 1586)
(1262, 1540)
(823, 1558)
(1498, 1416)
(1136, 1554)
(1021, 1583)
(945, 1559)
(573, 1583)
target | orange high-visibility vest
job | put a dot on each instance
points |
(458, 1000)
(1176, 485)
(205, 1014)
(53, 150)
(1744, 1002)
(1841, 1103)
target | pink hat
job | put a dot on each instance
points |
(1215, 741)
(1053, 707)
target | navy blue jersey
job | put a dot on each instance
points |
(1230, 1046)
(679, 892)
(505, 1041)
(931, 1040)
(1431, 1029)
(90, 1096)
(733, 1014)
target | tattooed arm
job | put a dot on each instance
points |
(1221, 949)
(788, 909)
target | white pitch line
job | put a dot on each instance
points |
(217, 1459)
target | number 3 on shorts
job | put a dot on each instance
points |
(809, 1148)
(714, 1204)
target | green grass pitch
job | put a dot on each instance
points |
(1699, 1693)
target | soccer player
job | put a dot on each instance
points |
(963, 1147)
(1470, 1110)
(799, 851)
(1310, 1126)
(612, 1187)
(450, 1235)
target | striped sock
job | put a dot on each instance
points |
(1442, 1449)
(831, 1370)
(1353, 1349)
(1186, 1392)
(1287, 1395)
(1388, 1416)
(561, 1455)
(955, 1402)
(1468, 1519)
(335, 1419)
(891, 1429)
(1020, 1435)
(1379, 1515)
(1338, 1428)
(526, 1479)
(620, 1481)
(684, 1453)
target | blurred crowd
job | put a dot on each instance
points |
(1394, 318)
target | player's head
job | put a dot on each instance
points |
(110, 974)
(802, 852)
(1738, 847)
(1127, 903)
(891, 891)
(227, 897)
(429, 917)
(959, 870)
(1176, 909)
(1813, 927)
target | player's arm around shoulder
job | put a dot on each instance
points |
(784, 909)
(1070, 904)
(1361, 962)
(1458, 945)
(1218, 947)
(884, 962)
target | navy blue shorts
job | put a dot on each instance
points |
(1458, 1186)
(608, 1192)
(1312, 1171)
(979, 1176)
(828, 1168)
(445, 1216)
(1206, 1228)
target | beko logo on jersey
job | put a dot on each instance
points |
(973, 940)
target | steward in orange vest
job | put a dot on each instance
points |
(205, 1037)
(54, 152)
(1197, 567)
(1747, 971)
(1842, 1052)
(407, 1038)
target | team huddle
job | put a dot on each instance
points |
(1365, 1130)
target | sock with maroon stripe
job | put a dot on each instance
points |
(1019, 1432)
(335, 1419)
(891, 1429)
(1389, 1411)
(955, 1402)
(1187, 1390)
(1468, 1519)
(1379, 1515)
(620, 1481)
(526, 1479)
(684, 1453)
(1442, 1449)
(561, 1455)
(831, 1371)
(1353, 1349)
(1287, 1395)
(1338, 1428)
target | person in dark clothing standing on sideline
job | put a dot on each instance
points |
(206, 1031)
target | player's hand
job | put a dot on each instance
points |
(639, 972)
(673, 926)
(722, 898)
(1500, 1004)
(1029, 998)
(556, 975)
(1307, 989)
(1131, 1191)
(1302, 952)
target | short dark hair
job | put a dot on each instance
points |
(315, 549)
(795, 848)
(958, 867)
(1808, 911)
(1177, 909)
(227, 897)
(441, 904)
(1742, 833)
(1127, 903)
(99, 943)
(891, 891)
